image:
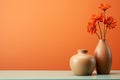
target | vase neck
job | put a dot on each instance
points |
(102, 40)
(82, 51)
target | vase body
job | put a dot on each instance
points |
(103, 57)
(82, 63)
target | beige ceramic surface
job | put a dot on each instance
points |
(103, 57)
(54, 75)
(82, 63)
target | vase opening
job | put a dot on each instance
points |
(102, 39)
(83, 51)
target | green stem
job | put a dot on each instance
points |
(100, 30)
(104, 26)
(106, 30)
(97, 35)
(105, 33)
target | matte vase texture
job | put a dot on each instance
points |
(103, 57)
(82, 63)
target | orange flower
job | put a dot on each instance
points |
(98, 17)
(91, 27)
(110, 22)
(104, 7)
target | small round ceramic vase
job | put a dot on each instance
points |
(82, 63)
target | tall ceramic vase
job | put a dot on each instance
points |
(103, 57)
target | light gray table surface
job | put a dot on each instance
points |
(53, 75)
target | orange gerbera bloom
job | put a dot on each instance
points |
(91, 27)
(110, 22)
(98, 17)
(104, 7)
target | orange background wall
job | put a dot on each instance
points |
(44, 34)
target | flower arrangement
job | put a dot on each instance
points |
(99, 19)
